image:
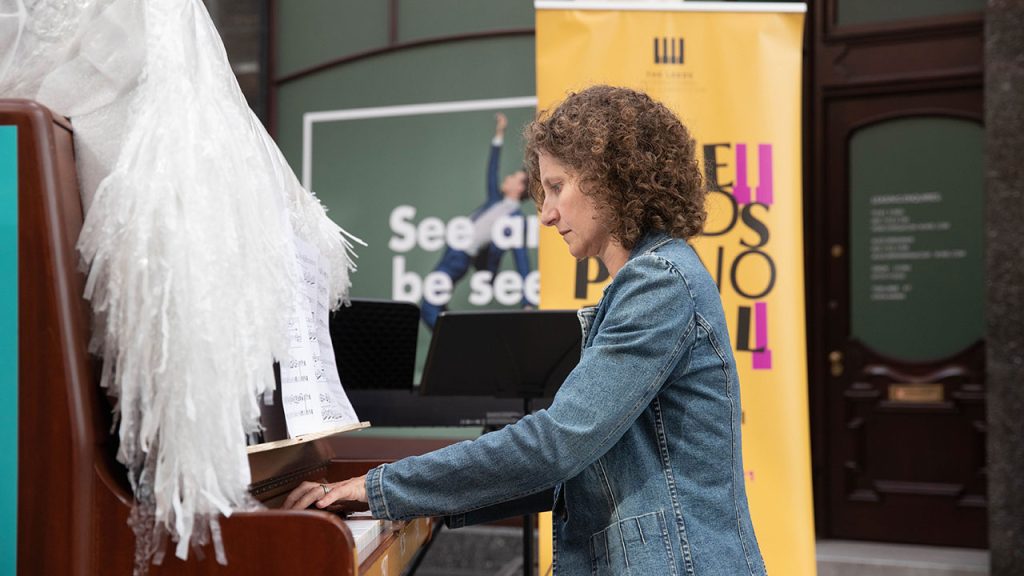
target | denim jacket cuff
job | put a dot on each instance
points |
(375, 493)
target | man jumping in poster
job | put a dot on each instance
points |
(482, 254)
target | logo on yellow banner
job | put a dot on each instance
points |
(669, 50)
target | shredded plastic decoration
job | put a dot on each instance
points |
(188, 242)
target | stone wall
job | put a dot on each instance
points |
(1004, 120)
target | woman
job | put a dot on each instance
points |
(642, 441)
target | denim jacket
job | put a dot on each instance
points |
(641, 443)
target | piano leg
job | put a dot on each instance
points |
(528, 522)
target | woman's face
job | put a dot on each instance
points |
(570, 211)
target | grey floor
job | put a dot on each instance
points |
(475, 551)
(849, 558)
(497, 551)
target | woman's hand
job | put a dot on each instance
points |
(348, 494)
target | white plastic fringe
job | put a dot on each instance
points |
(188, 243)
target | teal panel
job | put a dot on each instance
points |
(419, 19)
(917, 236)
(311, 32)
(880, 11)
(363, 169)
(8, 349)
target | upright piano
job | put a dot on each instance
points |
(73, 495)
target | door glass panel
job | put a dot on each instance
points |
(875, 11)
(916, 237)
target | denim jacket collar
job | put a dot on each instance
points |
(649, 241)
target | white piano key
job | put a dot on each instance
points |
(364, 530)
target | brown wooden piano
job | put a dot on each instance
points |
(73, 496)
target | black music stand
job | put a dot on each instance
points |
(509, 354)
(375, 344)
(502, 353)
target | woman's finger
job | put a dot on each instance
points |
(303, 497)
(315, 493)
(322, 495)
(297, 493)
(334, 493)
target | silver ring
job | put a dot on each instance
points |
(326, 489)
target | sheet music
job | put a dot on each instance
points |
(311, 391)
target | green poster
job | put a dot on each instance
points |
(414, 182)
(396, 145)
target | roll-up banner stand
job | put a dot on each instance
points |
(732, 72)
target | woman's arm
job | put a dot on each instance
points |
(647, 329)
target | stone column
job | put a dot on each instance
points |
(1004, 339)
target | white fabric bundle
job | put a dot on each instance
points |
(188, 241)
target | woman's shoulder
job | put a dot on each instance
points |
(675, 253)
(673, 260)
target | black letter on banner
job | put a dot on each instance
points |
(711, 167)
(732, 218)
(754, 224)
(735, 267)
(582, 267)
(743, 329)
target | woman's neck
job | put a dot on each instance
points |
(614, 257)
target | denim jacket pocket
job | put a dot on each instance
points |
(636, 546)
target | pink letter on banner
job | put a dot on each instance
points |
(764, 165)
(741, 191)
(763, 354)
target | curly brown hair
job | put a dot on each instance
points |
(632, 156)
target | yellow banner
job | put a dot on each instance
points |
(734, 78)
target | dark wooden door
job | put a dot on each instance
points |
(897, 280)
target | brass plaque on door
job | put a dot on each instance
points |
(916, 393)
